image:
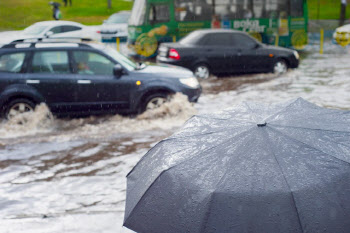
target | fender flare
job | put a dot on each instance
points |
(20, 91)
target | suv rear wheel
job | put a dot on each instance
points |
(18, 106)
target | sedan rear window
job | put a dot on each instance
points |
(217, 39)
(191, 38)
(243, 41)
(69, 28)
(11, 62)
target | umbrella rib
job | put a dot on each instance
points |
(329, 111)
(285, 179)
(298, 127)
(251, 110)
(283, 109)
(203, 228)
(319, 130)
(195, 135)
(310, 146)
(169, 139)
(195, 156)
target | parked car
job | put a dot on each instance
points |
(226, 51)
(84, 79)
(115, 26)
(342, 35)
(52, 29)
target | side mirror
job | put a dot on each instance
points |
(118, 70)
(48, 34)
(257, 45)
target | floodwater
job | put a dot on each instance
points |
(68, 175)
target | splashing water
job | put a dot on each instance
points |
(41, 123)
(29, 123)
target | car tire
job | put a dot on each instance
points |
(201, 71)
(154, 101)
(18, 106)
(280, 67)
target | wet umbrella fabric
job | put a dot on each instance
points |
(231, 172)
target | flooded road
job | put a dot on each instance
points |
(68, 175)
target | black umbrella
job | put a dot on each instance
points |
(277, 168)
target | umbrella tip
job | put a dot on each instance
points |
(262, 125)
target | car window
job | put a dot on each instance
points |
(189, 10)
(69, 28)
(217, 39)
(58, 29)
(159, 13)
(54, 62)
(12, 62)
(243, 41)
(92, 63)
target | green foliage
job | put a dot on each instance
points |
(18, 14)
(328, 9)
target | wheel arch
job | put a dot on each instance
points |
(16, 93)
(150, 92)
(202, 62)
(285, 59)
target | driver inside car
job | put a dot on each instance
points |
(82, 64)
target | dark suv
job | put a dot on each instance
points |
(84, 79)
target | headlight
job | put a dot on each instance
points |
(296, 54)
(190, 82)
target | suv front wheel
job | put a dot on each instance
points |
(18, 106)
(154, 101)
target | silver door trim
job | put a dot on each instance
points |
(84, 81)
(32, 81)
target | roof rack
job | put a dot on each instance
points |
(31, 42)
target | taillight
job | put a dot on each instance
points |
(98, 32)
(174, 54)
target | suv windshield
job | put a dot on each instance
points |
(138, 13)
(34, 29)
(124, 61)
(118, 18)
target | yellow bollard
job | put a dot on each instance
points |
(174, 39)
(118, 43)
(321, 40)
(277, 40)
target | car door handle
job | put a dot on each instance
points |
(32, 81)
(84, 81)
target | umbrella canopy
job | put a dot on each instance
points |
(254, 168)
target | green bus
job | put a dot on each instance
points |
(279, 22)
